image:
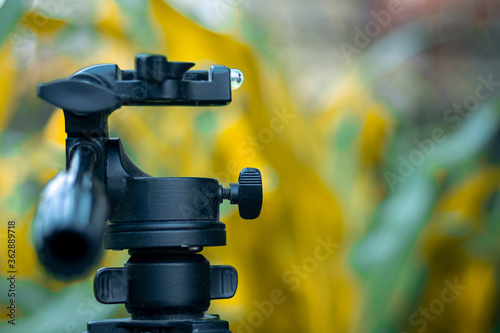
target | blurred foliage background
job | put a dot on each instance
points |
(375, 125)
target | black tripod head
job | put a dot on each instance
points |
(163, 222)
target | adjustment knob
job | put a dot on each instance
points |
(157, 68)
(247, 193)
(151, 67)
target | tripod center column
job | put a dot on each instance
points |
(166, 284)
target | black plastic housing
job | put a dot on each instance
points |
(167, 285)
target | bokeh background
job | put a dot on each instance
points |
(375, 125)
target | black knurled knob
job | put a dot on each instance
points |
(157, 68)
(151, 67)
(247, 193)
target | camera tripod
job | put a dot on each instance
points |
(166, 285)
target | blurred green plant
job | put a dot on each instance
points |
(324, 171)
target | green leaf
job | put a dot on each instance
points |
(139, 27)
(67, 311)
(10, 12)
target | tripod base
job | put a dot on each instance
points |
(206, 324)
